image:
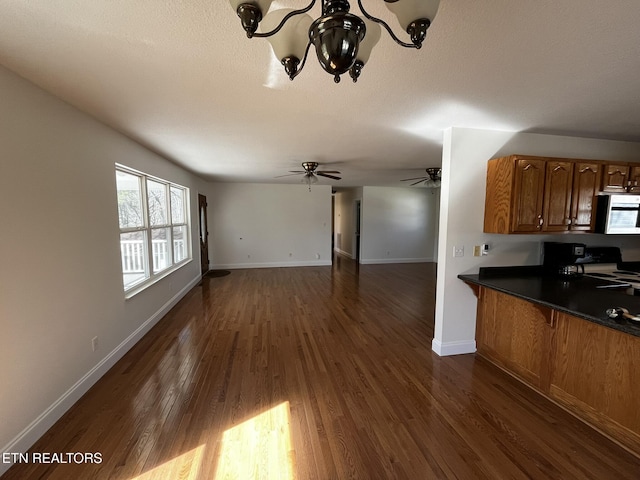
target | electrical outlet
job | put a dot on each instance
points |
(318, 256)
(477, 251)
(458, 251)
(94, 343)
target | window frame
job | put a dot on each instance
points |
(151, 273)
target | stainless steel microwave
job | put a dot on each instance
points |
(618, 214)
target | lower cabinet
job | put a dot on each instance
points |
(591, 370)
(596, 373)
(516, 334)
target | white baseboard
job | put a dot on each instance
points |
(25, 439)
(236, 266)
(376, 261)
(453, 348)
(343, 252)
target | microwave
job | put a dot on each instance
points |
(618, 214)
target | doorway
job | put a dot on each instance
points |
(356, 236)
(204, 234)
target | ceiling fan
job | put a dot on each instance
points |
(311, 173)
(432, 180)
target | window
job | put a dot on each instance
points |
(154, 227)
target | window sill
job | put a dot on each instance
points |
(133, 291)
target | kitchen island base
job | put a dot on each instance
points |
(586, 368)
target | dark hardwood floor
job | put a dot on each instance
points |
(317, 373)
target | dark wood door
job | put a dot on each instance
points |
(528, 195)
(615, 178)
(204, 234)
(586, 180)
(557, 196)
(358, 213)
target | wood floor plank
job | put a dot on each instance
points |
(324, 373)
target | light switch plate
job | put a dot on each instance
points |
(458, 251)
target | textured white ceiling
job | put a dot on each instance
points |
(181, 78)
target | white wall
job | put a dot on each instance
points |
(345, 219)
(60, 276)
(260, 225)
(465, 156)
(398, 224)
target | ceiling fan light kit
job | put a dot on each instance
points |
(310, 173)
(343, 41)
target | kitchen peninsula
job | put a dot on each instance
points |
(554, 335)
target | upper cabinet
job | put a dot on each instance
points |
(586, 180)
(634, 180)
(528, 194)
(556, 214)
(615, 178)
(529, 179)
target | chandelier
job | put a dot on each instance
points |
(343, 41)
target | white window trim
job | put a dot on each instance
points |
(148, 228)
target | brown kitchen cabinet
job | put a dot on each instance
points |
(515, 334)
(556, 216)
(528, 194)
(595, 373)
(589, 369)
(586, 182)
(634, 180)
(615, 177)
(514, 195)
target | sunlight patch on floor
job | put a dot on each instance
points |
(184, 467)
(259, 448)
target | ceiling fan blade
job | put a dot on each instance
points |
(328, 171)
(289, 174)
(417, 178)
(419, 181)
(323, 174)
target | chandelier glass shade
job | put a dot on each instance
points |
(343, 41)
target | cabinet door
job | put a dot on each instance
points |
(634, 180)
(615, 178)
(586, 180)
(515, 334)
(557, 196)
(528, 195)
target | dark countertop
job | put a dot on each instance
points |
(578, 296)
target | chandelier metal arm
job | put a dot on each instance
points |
(304, 60)
(386, 26)
(284, 20)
